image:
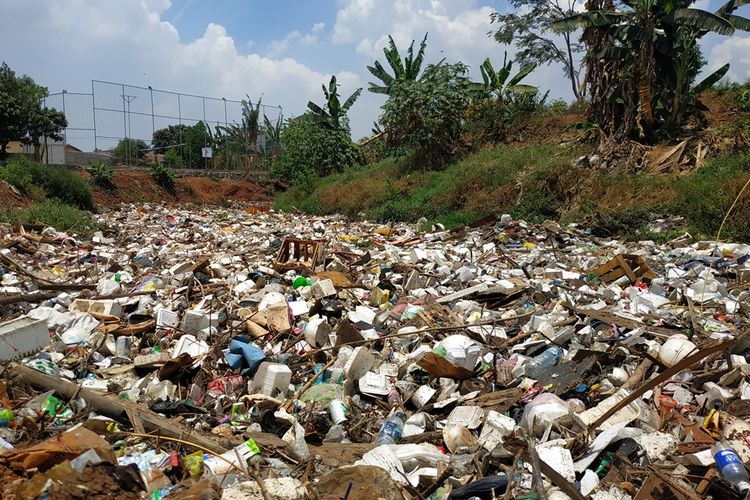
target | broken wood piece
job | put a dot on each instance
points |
(631, 266)
(117, 408)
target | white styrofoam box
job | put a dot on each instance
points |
(466, 416)
(322, 289)
(22, 337)
(181, 268)
(272, 378)
(374, 384)
(96, 306)
(80, 305)
(190, 345)
(109, 307)
(359, 363)
(166, 318)
(194, 321)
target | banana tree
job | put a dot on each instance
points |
(642, 60)
(333, 117)
(407, 69)
(496, 84)
(273, 136)
(237, 141)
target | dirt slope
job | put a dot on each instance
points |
(139, 187)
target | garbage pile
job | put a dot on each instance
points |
(242, 353)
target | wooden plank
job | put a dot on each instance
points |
(628, 272)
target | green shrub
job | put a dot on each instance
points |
(129, 151)
(101, 174)
(163, 175)
(172, 159)
(52, 213)
(56, 182)
(558, 107)
(310, 150)
(427, 115)
(707, 194)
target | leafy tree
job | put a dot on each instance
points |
(172, 158)
(22, 117)
(406, 70)
(43, 122)
(101, 174)
(642, 61)
(333, 117)
(198, 137)
(129, 150)
(169, 137)
(529, 27)
(309, 150)
(163, 176)
(427, 115)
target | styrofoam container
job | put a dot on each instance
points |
(466, 416)
(272, 378)
(423, 395)
(109, 307)
(317, 331)
(675, 349)
(22, 337)
(194, 321)
(191, 345)
(166, 318)
(374, 384)
(359, 363)
(461, 351)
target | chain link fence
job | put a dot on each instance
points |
(116, 113)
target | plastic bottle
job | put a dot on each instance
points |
(394, 398)
(6, 417)
(549, 358)
(392, 429)
(730, 465)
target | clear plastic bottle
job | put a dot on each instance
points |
(392, 429)
(730, 465)
(549, 358)
(394, 398)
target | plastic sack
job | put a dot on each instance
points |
(245, 356)
(542, 411)
(295, 438)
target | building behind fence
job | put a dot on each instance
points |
(111, 112)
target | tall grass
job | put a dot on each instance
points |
(535, 183)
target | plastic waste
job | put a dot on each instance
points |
(548, 359)
(392, 429)
(730, 465)
(245, 356)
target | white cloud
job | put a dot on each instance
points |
(736, 51)
(127, 41)
(296, 39)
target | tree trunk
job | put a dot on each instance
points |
(571, 71)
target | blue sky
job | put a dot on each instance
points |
(283, 50)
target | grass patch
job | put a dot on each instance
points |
(537, 183)
(480, 184)
(37, 181)
(52, 213)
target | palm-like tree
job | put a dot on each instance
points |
(334, 115)
(642, 59)
(496, 82)
(273, 135)
(495, 86)
(407, 69)
(239, 140)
